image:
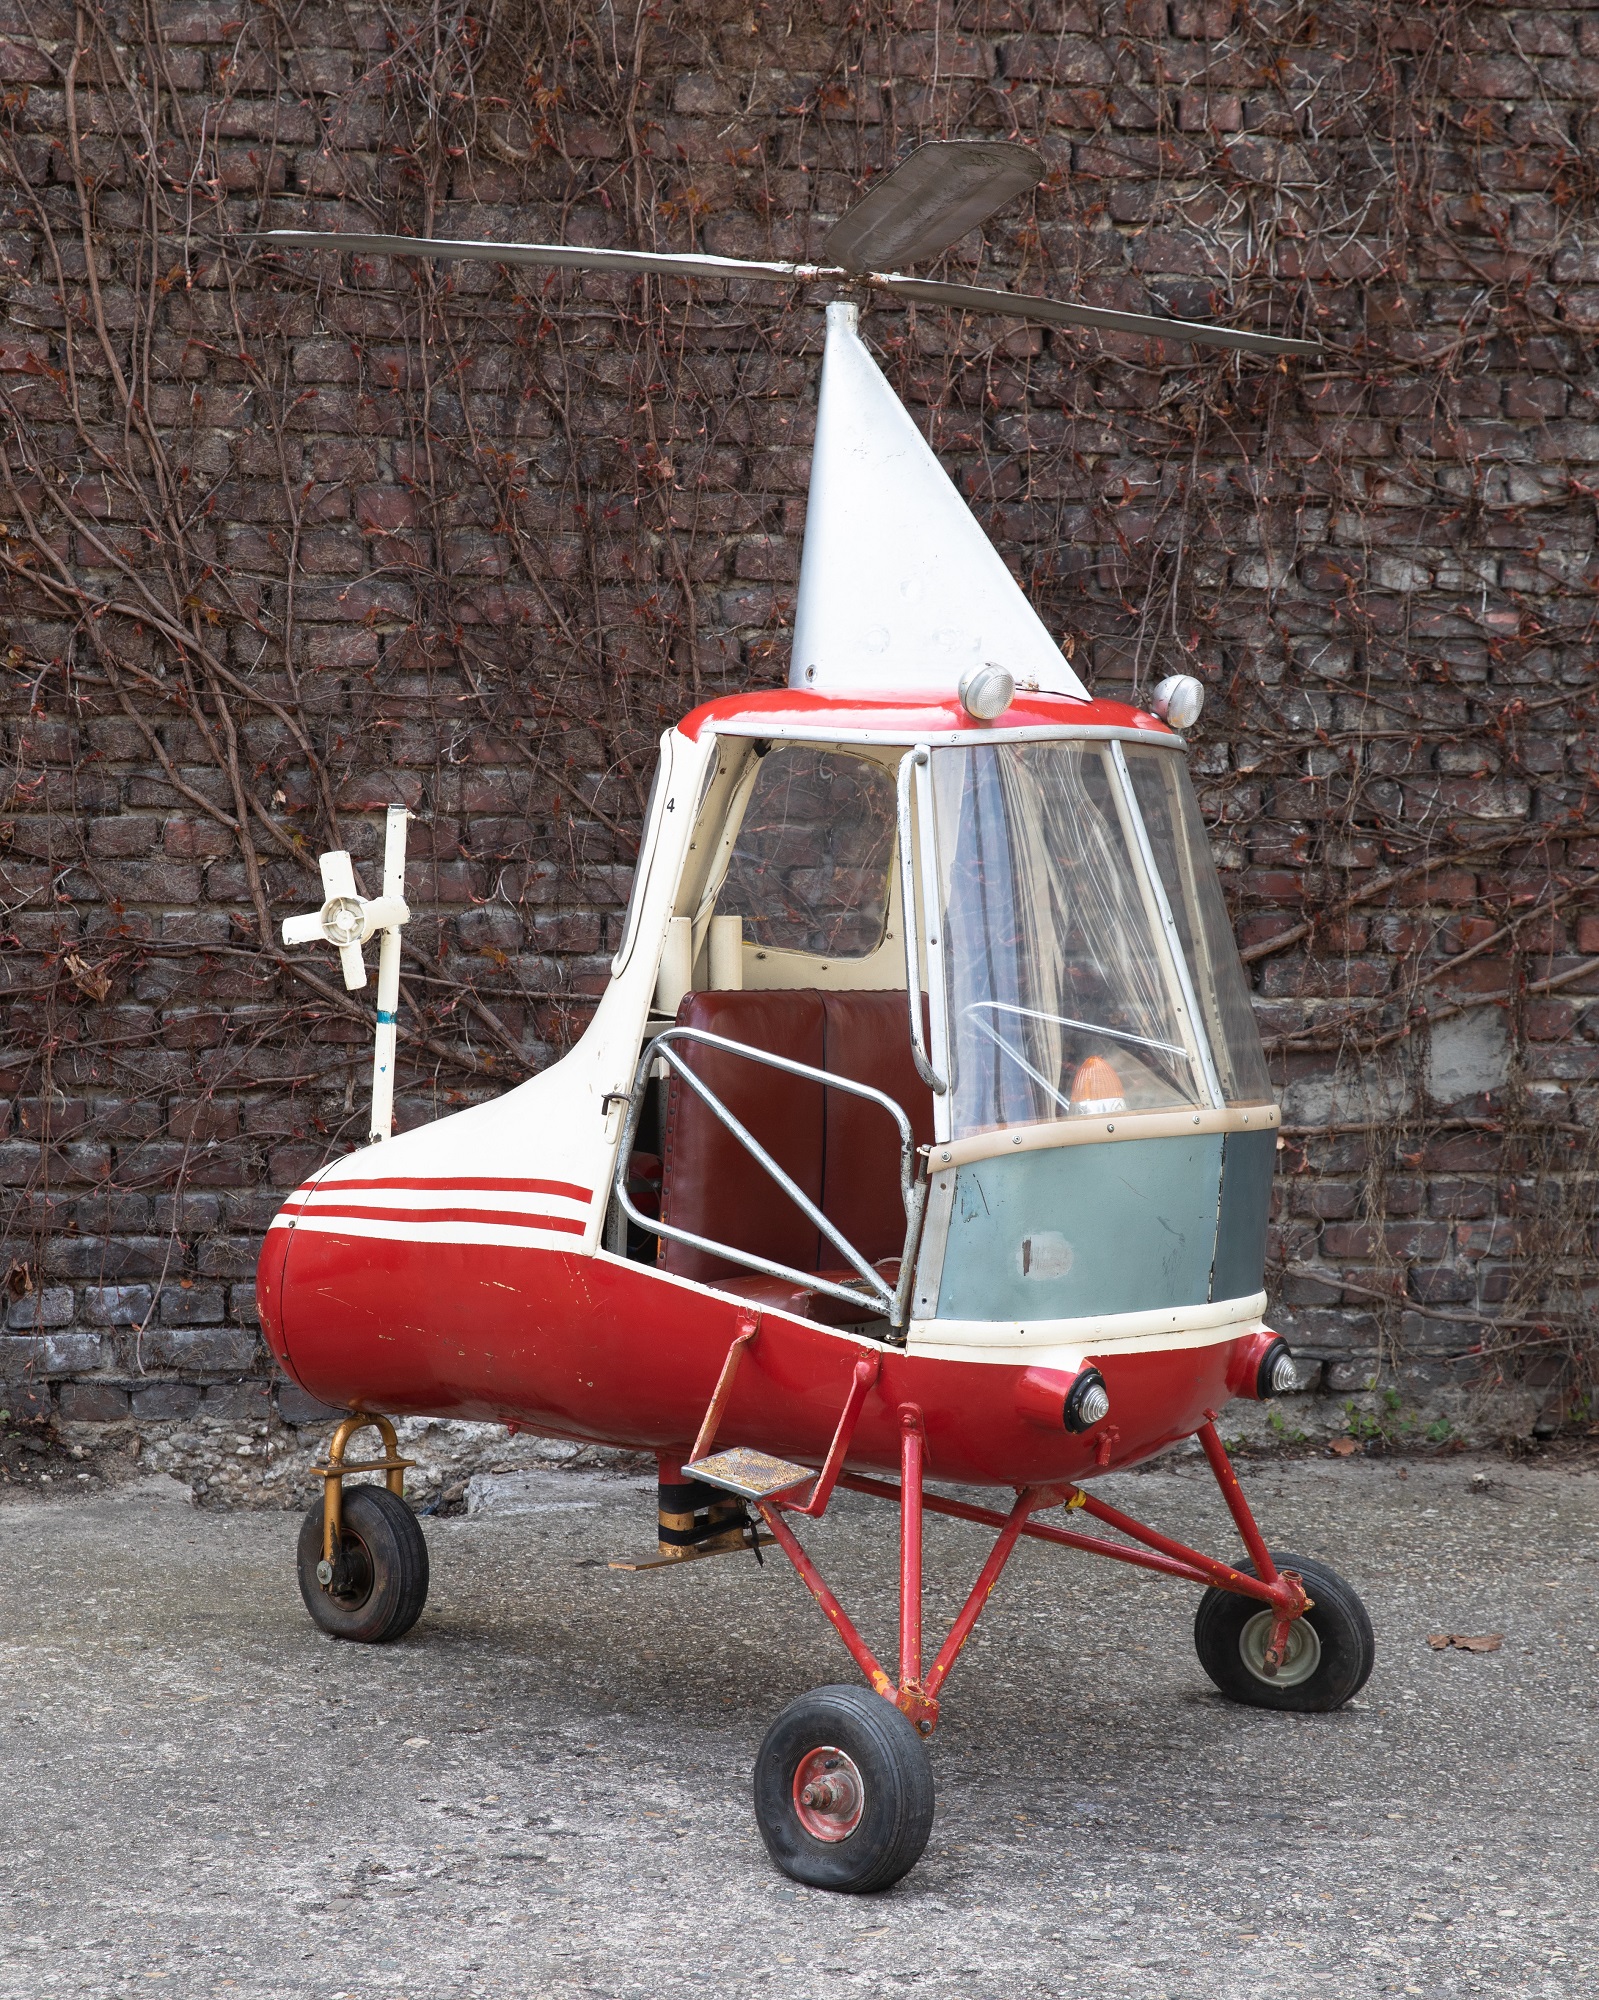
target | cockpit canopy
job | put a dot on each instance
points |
(1072, 936)
(812, 866)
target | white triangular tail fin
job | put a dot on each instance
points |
(900, 590)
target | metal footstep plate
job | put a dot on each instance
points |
(681, 1557)
(752, 1475)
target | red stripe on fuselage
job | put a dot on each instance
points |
(465, 1184)
(504, 1218)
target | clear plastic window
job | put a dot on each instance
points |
(1181, 849)
(1057, 983)
(810, 867)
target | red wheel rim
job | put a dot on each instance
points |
(829, 1796)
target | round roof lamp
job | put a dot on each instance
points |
(987, 691)
(1178, 700)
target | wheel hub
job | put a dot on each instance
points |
(829, 1796)
(349, 1575)
(1300, 1660)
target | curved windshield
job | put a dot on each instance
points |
(1062, 996)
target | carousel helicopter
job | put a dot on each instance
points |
(922, 1133)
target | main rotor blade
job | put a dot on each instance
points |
(975, 298)
(930, 200)
(668, 263)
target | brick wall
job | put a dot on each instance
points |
(287, 538)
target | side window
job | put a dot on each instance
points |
(1181, 848)
(810, 868)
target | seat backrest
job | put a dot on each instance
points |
(842, 1150)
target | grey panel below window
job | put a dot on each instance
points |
(1127, 1226)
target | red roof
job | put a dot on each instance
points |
(930, 715)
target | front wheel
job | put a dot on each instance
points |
(844, 1791)
(379, 1580)
(1330, 1649)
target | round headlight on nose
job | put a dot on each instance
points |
(1087, 1401)
(1262, 1364)
(1278, 1374)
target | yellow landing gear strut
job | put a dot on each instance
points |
(332, 1476)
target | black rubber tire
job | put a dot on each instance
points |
(1337, 1618)
(380, 1581)
(897, 1780)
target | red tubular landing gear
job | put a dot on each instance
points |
(843, 1786)
(1281, 1591)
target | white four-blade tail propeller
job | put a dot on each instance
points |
(346, 920)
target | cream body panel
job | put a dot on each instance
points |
(555, 1127)
(1012, 1343)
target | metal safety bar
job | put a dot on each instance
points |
(913, 1188)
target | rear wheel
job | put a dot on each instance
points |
(379, 1580)
(844, 1791)
(1330, 1649)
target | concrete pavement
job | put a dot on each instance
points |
(544, 1789)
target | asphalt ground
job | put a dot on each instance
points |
(544, 1789)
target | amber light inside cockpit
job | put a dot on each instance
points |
(1096, 1088)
